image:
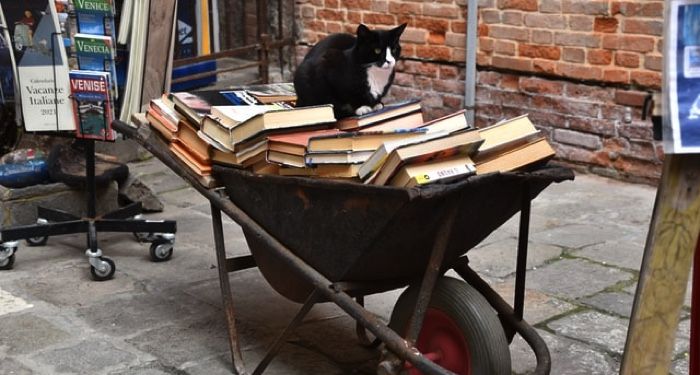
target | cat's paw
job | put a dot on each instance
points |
(378, 106)
(363, 110)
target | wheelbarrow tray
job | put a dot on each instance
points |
(360, 233)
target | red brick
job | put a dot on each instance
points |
(331, 15)
(441, 11)
(434, 52)
(627, 59)
(334, 27)
(455, 40)
(510, 82)
(488, 78)
(308, 12)
(616, 76)
(588, 92)
(638, 8)
(541, 86)
(585, 7)
(378, 19)
(354, 17)
(579, 72)
(550, 6)
(449, 72)
(638, 168)
(580, 23)
(605, 24)
(482, 30)
(544, 66)
(646, 79)
(334, 4)
(576, 39)
(592, 125)
(504, 47)
(450, 86)
(459, 55)
(490, 16)
(514, 18)
(509, 32)
(633, 131)
(545, 21)
(511, 63)
(453, 102)
(628, 43)
(565, 107)
(541, 37)
(431, 24)
(403, 7)
(573, 54)
(527, 5)
(411, 35)
(483, 59)
(537, 51)
(599, 56)
(486, 44)
(380, 6)
(648, 27)
(641, 150)
(357, 4)
(458, 27)
(512, 99)
(653, 62)
(575, 138)
(434, 38)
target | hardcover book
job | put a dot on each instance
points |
(197, 104)
(42, 64)
(532, 153)
(92, 105)
(359, 141)
(94, 16)
(411, 175)
(283, 119)
(390, 111)
(506, 135)
(96, 52)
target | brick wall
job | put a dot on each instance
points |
(580, 68)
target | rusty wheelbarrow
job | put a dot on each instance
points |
(318, 240)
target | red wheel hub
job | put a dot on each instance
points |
(442, 341)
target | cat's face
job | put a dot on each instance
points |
(379, 48)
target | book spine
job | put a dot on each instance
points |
(440, 174)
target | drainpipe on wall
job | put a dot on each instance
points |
(470, 68)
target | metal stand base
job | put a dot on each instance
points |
(53, 222)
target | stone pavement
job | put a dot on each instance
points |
(586, 246)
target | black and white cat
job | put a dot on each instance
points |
(352, 73)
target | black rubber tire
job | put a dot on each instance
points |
(155, 256)
(469, 310)
(103, 276)
(37, 241)
(8, 263)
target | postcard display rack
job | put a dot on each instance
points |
(52, 222)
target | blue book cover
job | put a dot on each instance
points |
(94, 16)
(96, 52)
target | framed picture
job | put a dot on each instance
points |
(682, 77)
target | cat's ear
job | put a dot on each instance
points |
(363, 31)
(397, 31)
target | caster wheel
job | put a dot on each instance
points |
(7, 263)
(143, 236)
(460, 332)
(161, 251)
(37, 241)
(106, 273)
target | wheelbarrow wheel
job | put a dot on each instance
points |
(460, 332)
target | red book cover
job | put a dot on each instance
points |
(92, 105)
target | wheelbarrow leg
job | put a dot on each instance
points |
(391, 365)
(521, 263)
(236, 357)
(310, 302)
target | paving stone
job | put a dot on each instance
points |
(603, 330)
(161, 182)
(616, 303)
(102, 355)
(68, 284)
(538, 306)
(574, 278)
(626, 252)
(134, 313)
(184, 198)
(12, 367)
(147, 369)
(576, 236)
(337, 342)
(680, 367)
(11, 304)
(498, 259)
(569, 357)
(26, 333)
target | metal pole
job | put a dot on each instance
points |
(470, 68)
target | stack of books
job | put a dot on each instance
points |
(390, 146)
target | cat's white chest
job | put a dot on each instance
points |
(377, 79)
